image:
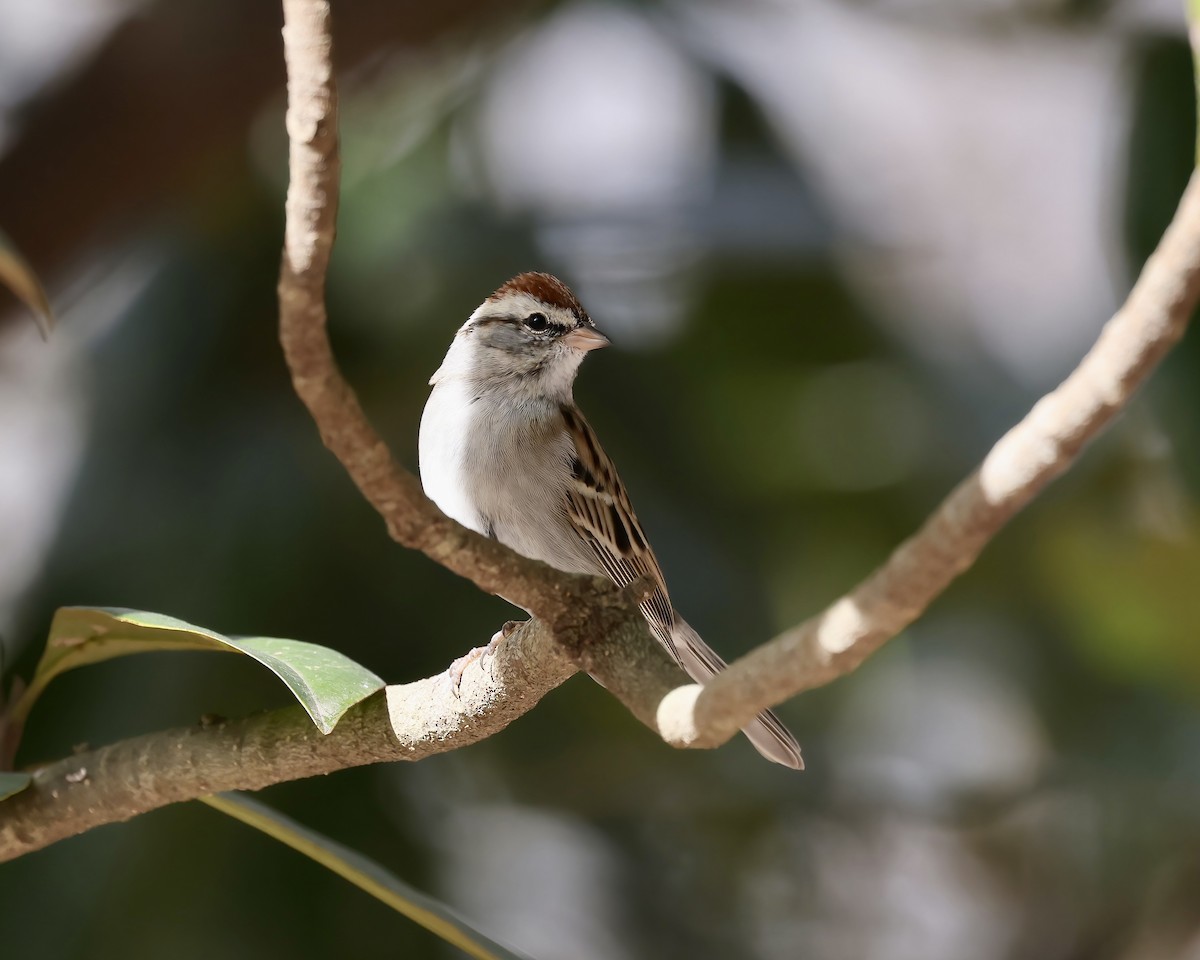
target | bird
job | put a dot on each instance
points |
(504, 450)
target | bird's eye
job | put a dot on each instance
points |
(537, 322)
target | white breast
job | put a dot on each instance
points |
(442, 449)
(501, 468)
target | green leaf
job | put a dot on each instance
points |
(365, 874)
(325, 682)
(19, 277)
(11, 783)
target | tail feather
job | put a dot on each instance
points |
(768, 734)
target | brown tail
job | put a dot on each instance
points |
(769, 736)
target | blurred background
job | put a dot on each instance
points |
(840, 246)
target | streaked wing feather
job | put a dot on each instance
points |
(599, 507)
(598, 504)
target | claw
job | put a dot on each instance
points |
(505, 632)
(460, 665)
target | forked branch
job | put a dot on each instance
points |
(596, 626)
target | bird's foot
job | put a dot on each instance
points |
(458, 666)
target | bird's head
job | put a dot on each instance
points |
(531, 334)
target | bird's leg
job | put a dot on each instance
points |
(458, 666)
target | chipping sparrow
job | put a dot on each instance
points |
(505, 451)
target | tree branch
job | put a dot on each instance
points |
(1032, 454)
(406, 722)
(588, 622)
(312, 200)
(585, 613)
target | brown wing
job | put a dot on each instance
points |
(599, 506)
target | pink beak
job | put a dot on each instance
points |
(585, 339)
